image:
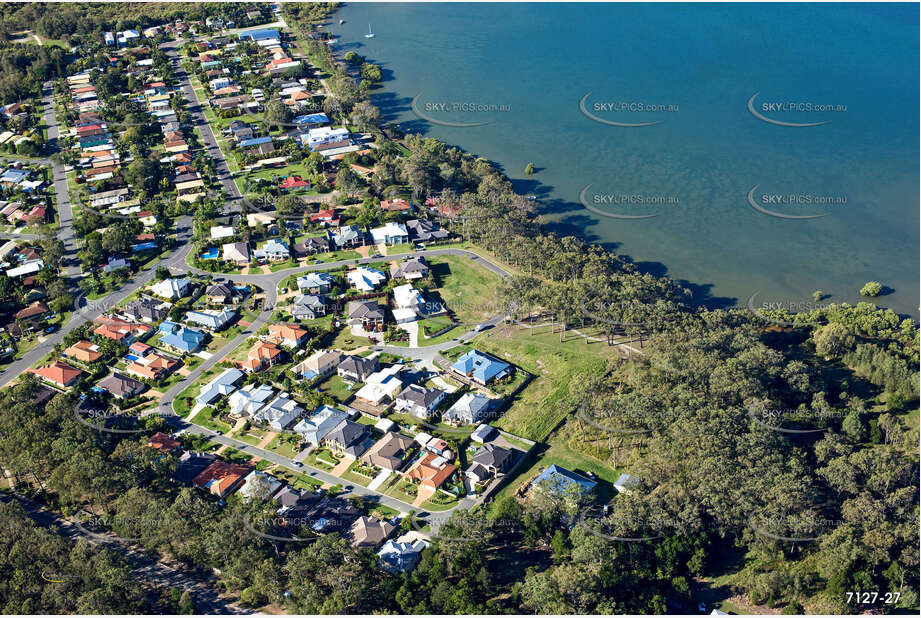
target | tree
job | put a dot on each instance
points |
(277, 113)
(833, 340)
(529, 169)
(871, 289)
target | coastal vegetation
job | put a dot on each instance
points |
(741, 430)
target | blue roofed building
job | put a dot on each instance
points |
(315, 428)
(265, 34)
(479, 367)
(211, 318)
(255, 141)
(311, 121)
(558, 479)
(181, 338)
(223, 384)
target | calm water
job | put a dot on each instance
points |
(530, 64)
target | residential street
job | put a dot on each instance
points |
(71, 265)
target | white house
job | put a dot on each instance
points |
(172, 288)
(249, 399)
(366, 279)
(390, 234)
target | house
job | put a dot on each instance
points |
(279, 413)
(223, 294)
(332, 514)
(221, 231)
(236, 252)
(119, 330)
(190, 465)
(181, 339)
(369, 315)
(390, 234)
(151, 365)
(320, 364)
(423, 230)
(470, 409)
(320, 423)
(421, 402)
(626, 483)
(484, 433)
(172, 288)
(324, 135)
(558, 480)
(480, 367)
(366, 279)
(163, 443)
(83, 351)
(496, 460)
(308, 307)
(249, 399)
(146, 310)
(315, 283)
(223, 384)
(400, 557)
(58, 373)
(273, 250)
(324, 216)
(211, 318)
(355, 368)
(409, 303)
(288, 335)
(348, 236)
(382, 386)
(263, 355)
(347, 438)
(222, 478)
(370, 532)
(32, 313)
(122, 387)
(432, 471)
(410, 270)
(259, 486)
(397, 205)
(389, 452)
(312, 245)
(292, 183)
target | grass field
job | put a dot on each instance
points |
(285, 444)
(337, 387)
(469, 290)
(556, 366)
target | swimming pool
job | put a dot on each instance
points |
(211, 254)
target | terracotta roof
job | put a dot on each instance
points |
(59, 373)
(84, 351)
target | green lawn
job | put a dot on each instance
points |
(321, 458)
(352, 476)
(557, 366)
(468, 289)
(337, 387)
(285, 444)
(207, 418)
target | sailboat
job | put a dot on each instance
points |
(370, 34)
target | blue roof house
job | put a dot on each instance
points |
(480, 367)
(558, 479)
(181, 338)
(224, 384)
(258, 35)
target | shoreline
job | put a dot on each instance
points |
(730, 290)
